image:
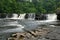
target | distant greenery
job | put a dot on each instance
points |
(41, 6)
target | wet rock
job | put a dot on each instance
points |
(11, 39)
(47, 37)
(40, 17)
(28, 35)
(42, 39)
(54, 34)
(26, 16)
(10, 15)
(2, 15)
(14, 35)
(54, 39)
(22, 36)
(58, 16)
(32, 35)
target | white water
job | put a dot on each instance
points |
(27, 24)
(51, 17)
(15, 16)
(14, 26)
(18, 29)
(31, 16)
(22, 16)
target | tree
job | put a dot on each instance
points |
(38, 6)
(29, 7)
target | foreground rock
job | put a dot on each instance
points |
(30, 35)
(51, 33)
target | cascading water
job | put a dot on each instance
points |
(12, 16)
(31, 16)
(15, 16)
(51, 17)
(18, 25)
(22, 16)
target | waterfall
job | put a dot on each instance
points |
(15, 16)
(31, 16)
(51, 17)
(22, 16)
(12, 16)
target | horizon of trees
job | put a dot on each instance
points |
(42, 6)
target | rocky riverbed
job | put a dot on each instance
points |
(40, 33)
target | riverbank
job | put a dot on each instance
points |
(39, 33)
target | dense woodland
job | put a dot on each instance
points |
(17, 6)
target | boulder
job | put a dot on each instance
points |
(10, 15)
(58, 13)
(14, 35)
(58, 16)
(2, 15)
(26, 16)
(40, 17)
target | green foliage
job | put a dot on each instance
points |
(38, 6)
(58, 10)
(29, 7)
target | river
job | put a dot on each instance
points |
(9, 26)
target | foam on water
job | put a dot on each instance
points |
(22, 16)
(52, 17)
(18, 29)
(12, 26)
